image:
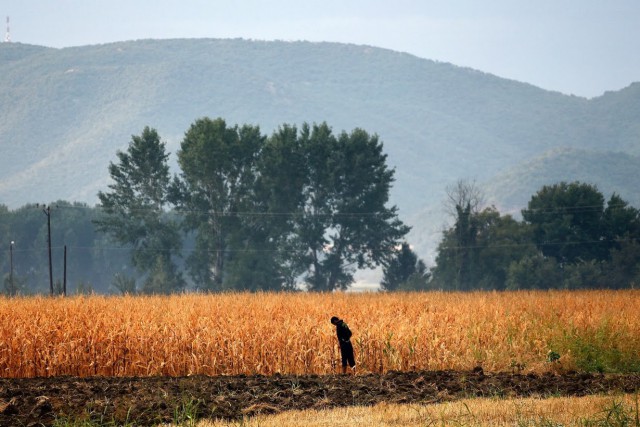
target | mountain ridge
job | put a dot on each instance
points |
(65, 111)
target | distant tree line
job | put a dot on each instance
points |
(300, 207)
(304, 208)
(568, 238)
(92, 262)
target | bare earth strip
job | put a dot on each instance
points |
(153, 400)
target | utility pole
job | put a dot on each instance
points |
(64, 281)
(12, 289)
(47, 212)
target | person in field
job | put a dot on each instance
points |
(346, 349)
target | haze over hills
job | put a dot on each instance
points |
(65, 112)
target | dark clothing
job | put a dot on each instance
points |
(346, 348)
(343, 331)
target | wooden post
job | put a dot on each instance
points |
(47, 212)
(12, 289)
(64, 282)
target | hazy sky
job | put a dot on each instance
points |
(581, 47)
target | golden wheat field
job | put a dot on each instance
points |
(265, 333)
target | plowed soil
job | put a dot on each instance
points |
(154, 400)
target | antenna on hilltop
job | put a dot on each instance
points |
(7, 36)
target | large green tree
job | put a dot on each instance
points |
(214, 191)
(567, 221)
(135, 211)
(272, 257)
(299, 204)
(346, 223)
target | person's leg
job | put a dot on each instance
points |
(343, 353)
(350, 358)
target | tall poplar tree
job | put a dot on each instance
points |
(135, 211)
(273, 258)
(346, 223)
(214, 191)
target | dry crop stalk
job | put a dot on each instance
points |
(267, 333)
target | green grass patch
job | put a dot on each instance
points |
(604, 349)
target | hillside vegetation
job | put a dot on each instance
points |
(611, 171)
(65, 112)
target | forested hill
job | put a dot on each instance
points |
(65, 112)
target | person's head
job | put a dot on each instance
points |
(335, 320)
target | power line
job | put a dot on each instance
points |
(536, 244)
(251, 250)
(101, 210)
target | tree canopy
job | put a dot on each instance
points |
(345, 222)
(299, 204)
(306, 208)
(135, 211)
(567, 222)
(214, 191)
(569, 238)
(405, 271)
